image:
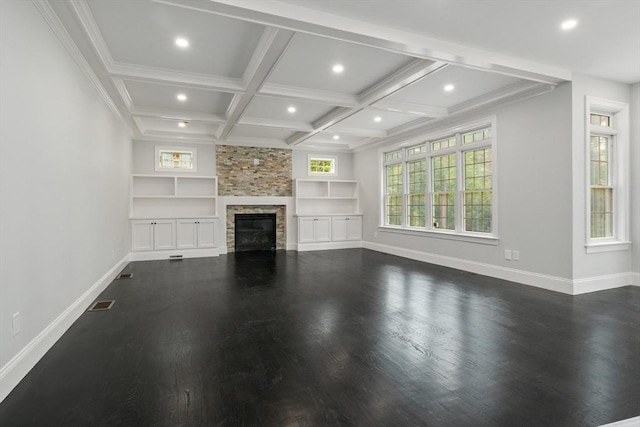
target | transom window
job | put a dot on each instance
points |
(445, 184)
(176, 159)
(322, 165)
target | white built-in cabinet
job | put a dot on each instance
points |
(153, 234)
(314, 229)
(173, 215)
(328, 214)
(195, 233)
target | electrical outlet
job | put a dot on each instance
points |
(15, 324)
(256, 162)
(507, 254)
(516, 255)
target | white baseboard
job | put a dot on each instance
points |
(20, 365)
(635, 279)
(629, 422)
(186, 253)
(302, 247)
(601, 283)
(553, 283)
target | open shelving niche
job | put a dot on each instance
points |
(173, 196)
(326, 197)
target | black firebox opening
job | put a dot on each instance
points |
(255, 232)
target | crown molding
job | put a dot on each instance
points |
(51, 18)
(85, 17)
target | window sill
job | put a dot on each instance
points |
(446, 235)
(595, 248)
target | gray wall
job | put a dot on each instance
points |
(635, 180)
(65, 161)
(533, 140)
(595, 264)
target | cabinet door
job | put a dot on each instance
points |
(354, 228)
(322, 229)
(339, 228)
(164, 235)
(187, 234)
(142, 235)
(306, 232)
(206, 233)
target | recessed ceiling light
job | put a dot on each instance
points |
(336, 137)
(338, 68)
(291, 109)
(449, 87)
(181, 97)
(182, 124)
(182, 42)
(377, 119)
(569, 24)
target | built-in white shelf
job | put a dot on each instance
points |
(173, 196)
(326, 197)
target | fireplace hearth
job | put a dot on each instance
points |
(255, 232)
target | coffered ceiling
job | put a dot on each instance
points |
(261, 73)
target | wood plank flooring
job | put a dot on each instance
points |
(328, 338)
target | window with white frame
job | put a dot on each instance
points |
(177, 159)
(607, 198)
(322, 165)
(444, 184)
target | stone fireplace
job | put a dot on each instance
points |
(281, 222)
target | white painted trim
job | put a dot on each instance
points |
(544, 281)
(186, 253)
(441, 234)
(601, 283)
(50, 17)
(553, 283)
(607, 247)
(303, 247)
(20, 365)
(629, 422)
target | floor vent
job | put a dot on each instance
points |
(124, 276)
(102, 305)
(175, 257)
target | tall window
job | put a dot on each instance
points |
(607, 175)
(442, 185)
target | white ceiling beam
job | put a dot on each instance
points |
(298, 18)
(272, 46)
(275, 124)
(364, 132)
(309, 95)
(410, 108)
(166, 114)
(407, 75)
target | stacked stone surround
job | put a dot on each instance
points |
(281, 222)
(238, 175)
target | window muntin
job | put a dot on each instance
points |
(603, 120)
(601, 187)
(322, 165)
(175, 159)
(607, 148)
(393, 194)
(443, 192)
(417, 182)
(477, 190)
(447, 186)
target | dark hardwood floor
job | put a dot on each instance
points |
(347, 337)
